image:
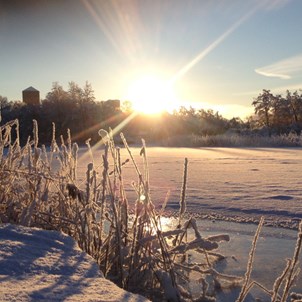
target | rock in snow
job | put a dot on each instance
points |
(39, 265)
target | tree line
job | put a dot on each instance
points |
(76, 109)
(277, 113)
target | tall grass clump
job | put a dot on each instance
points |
(40, 187)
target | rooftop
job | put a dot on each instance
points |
(30, 88)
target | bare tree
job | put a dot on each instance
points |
(263, 105)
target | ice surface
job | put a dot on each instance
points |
(273, 247)
(229, 181)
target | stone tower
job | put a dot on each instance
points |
(31, 96)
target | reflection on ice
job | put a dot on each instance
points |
(273, 247)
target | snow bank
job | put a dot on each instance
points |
(39, 265)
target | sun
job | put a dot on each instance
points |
(151, 95)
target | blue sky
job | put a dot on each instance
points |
(219, 54)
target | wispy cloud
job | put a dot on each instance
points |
(283, 69)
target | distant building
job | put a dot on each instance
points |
(115, 104)
(31, 96)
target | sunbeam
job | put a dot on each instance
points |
(115, 131)
(120, 28)
(212, 46)
(98, 20)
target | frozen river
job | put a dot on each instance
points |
(229, 182)
(226, 181)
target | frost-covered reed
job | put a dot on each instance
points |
(41, 188)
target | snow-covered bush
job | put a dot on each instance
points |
(291, 139)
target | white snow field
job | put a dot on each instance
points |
(39, 265)
(241, 182)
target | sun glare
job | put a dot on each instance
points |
(151, 95)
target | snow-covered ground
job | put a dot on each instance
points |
(227, 181)
(38, 265)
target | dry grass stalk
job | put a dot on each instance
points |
(293, 266)
(182, 202)
(245, 288)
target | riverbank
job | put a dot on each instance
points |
(40, 265)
